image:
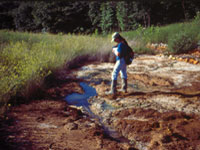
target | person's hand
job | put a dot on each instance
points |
(114, 50)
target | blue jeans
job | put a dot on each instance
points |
(120, 66)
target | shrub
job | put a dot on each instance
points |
(197, 18)
(181, 42)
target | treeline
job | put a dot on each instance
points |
(93, 16)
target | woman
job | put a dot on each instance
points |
(120, 65)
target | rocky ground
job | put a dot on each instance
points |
(161, 111)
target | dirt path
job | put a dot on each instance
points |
(161, 111)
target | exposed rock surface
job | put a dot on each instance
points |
(161, 111)
(162, 107)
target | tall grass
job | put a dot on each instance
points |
(27, 58)
(180, 37)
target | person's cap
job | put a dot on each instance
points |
(114, 36)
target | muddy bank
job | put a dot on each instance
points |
(52, 124)
(161, 110)
(48, 124)
(151, 130)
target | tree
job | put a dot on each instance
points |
(7, 9)
(87, 16)
(108, 19)
(122, 15)
(95, 14)
(191, 7)
(62, 16)
(24, 20)
(128, 15)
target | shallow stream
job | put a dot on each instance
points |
(81, 100)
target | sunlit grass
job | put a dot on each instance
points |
(180, 37)
(27, 58)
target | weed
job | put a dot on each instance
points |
(27, 58)
(181, 43)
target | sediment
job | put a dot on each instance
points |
(161, 110)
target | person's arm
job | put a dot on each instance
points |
(115, 51)
(118, 49)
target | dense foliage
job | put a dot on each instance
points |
(93, 16)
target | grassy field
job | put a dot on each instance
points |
(180, 37)
(27, 58)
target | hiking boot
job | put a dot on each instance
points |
(124, 86)
(113, 89)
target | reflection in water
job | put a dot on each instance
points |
(82, 99)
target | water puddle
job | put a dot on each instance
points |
(81, 100)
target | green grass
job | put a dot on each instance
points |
(27, 58)
(180, 37)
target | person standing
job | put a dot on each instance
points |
(120, 65)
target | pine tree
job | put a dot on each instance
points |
(7, 14)
(128, 15)
(121, 15)
(62, 16)
(95, 14)
(23, 18)
(108, 20)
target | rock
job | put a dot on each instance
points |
(71, 126)
(46, 125)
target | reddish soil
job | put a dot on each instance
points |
(169, 130)
(48, 124)
(162, 115)
(51, 124)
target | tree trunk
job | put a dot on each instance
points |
(144, 18)
(149, 18)
(183, 6)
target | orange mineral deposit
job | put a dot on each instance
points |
(196, 62)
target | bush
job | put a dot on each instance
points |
(197, 18)
(181, 42)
